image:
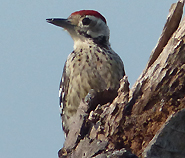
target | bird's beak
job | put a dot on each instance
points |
(64, 23)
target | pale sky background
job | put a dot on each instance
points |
(32, 56)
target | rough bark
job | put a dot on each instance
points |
(148, 120)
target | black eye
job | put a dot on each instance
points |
(86, 21)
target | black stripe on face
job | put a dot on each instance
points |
(82, 33)
(100, 40)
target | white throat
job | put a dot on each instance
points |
(79, 43)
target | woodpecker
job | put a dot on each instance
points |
(91, 65)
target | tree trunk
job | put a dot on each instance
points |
(146, 121)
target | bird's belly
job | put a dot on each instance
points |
(90, 78)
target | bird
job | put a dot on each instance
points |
(92, 65)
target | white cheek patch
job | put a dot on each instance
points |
(99, 29)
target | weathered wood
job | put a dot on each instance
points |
(169, 141)
(170, 27)
(142, 119)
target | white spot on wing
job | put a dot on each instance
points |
(60, 91)
(61, 107)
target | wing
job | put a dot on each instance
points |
(63, 91)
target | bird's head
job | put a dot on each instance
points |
(84, 25)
